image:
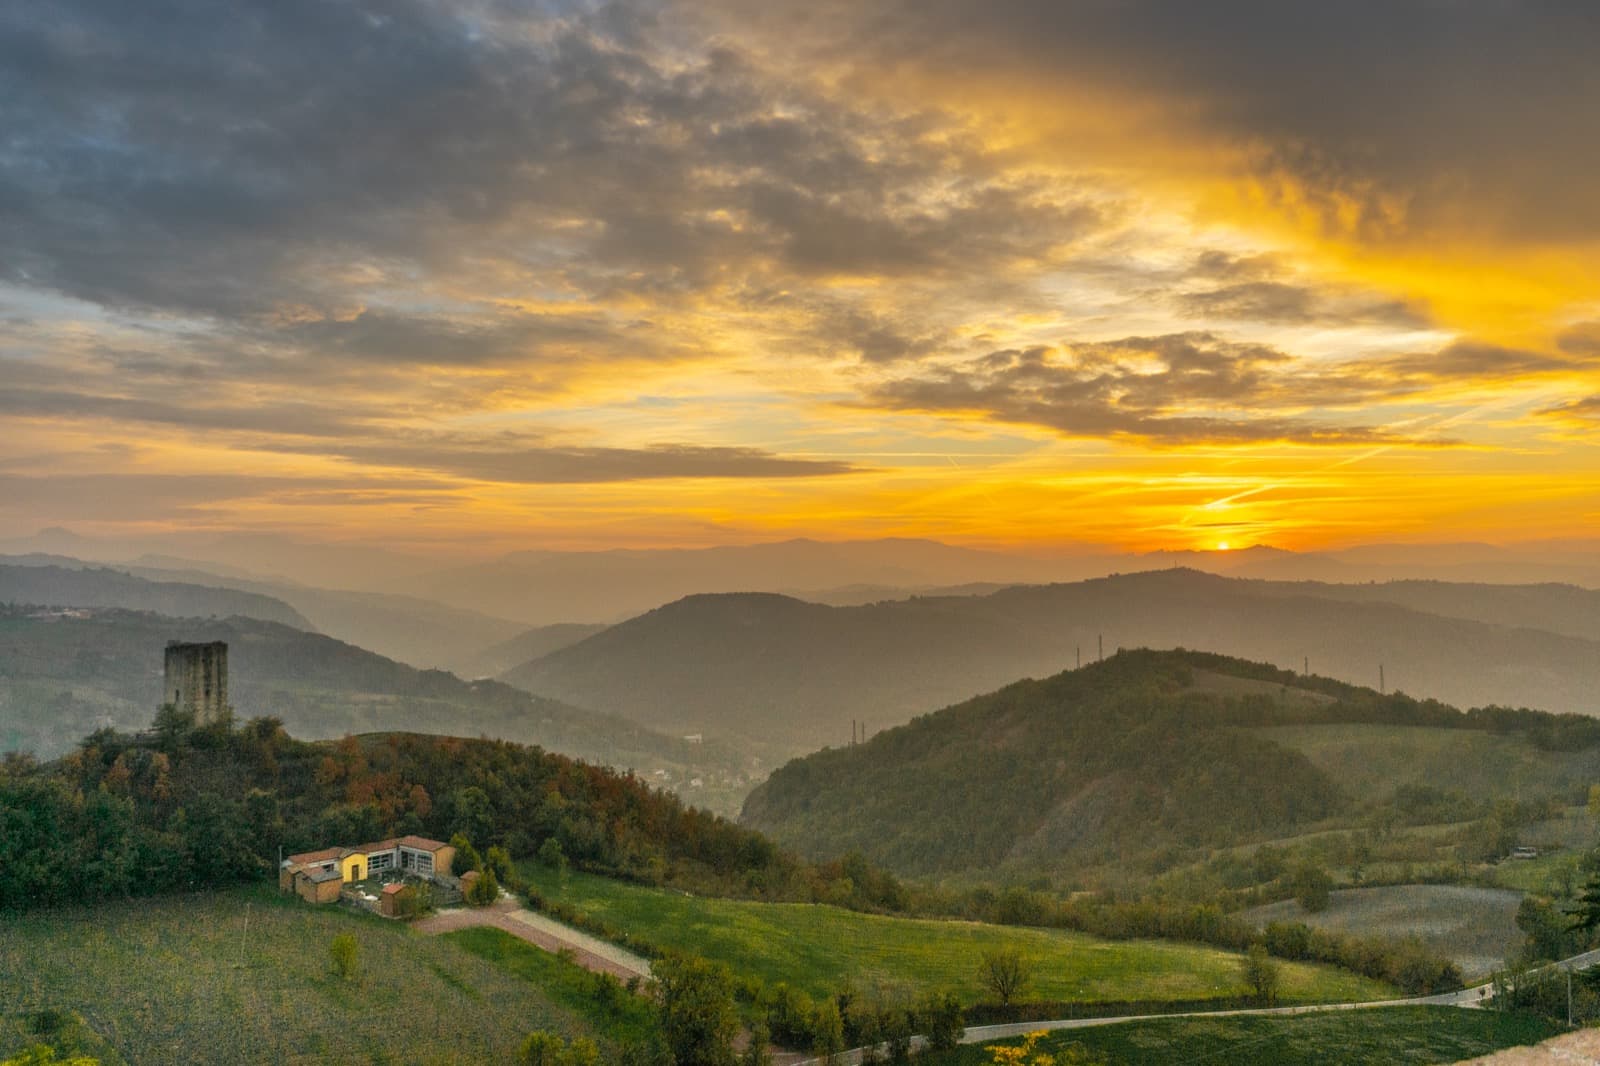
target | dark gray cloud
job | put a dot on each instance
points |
(1470, 359)
(136, 497)
(1196, 387)
(553, 464)
(1386, 116)
(1582, 339)
(226, 160)
(1174, 389)
(1290, 304)
(1585, 412)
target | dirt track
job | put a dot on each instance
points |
(536, 930)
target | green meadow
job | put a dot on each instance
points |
(820, 948)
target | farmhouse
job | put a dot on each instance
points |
(319, 875)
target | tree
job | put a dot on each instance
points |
(1260, 973)
(497, 860)
(466, 856)
(827, 1031)
(1312, 887)
(698, 1018)
(485, 890)
(943, 1022)
(1005, 973)
(542, 1048)
(344, 953)
(551, 855)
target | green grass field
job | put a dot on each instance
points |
(182, 979)
(819, 949)
(1398, 1036)
(608, 1009)
(1476, 927)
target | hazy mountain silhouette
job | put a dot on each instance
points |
(797, 673)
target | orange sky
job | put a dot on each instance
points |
(1013, 275)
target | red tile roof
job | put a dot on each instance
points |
(422, 843)
(318, 856)
(398, 886)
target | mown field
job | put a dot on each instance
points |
(1476, 927)
(185, 979)
(819, 949)
(1391, 1036)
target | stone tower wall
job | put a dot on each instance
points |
(197, 679)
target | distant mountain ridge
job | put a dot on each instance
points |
(64, 676)
(54, 585)
(419, 632)
(797, 673)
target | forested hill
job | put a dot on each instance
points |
(60, 586)
(65, 675)
(798, 673)
(193, 807)
(1121, 762)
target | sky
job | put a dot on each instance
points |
(480, 276)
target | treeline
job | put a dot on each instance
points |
(1406, 963)
(185, 808)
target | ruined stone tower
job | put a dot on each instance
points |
(197, 679)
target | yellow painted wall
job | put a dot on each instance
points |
(354, 867)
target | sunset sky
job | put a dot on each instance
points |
(1033, 273)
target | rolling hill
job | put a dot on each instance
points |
(65, 673)
(1143, 761)
(797, 673)
(54, 585)
(423, 633)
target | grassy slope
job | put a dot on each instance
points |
(1407, 1036)
(819, 948)
(166, 980)
(617, 1016)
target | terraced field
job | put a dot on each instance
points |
(1476, 927)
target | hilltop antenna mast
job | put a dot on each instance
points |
(1101, 640)
(1307, 671)
(1080, 658)
(1382, 686)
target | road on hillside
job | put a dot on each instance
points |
(507, 915)
(1469, 998)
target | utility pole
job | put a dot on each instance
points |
(1080, 657)
(1101, 639)
(1382, 686)
(1307, 671)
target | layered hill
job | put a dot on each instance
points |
(420, 632)
(52, 584)
(544, 587)
(526, 646)
(798, 673)
(65, 673)
(1137, 761)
